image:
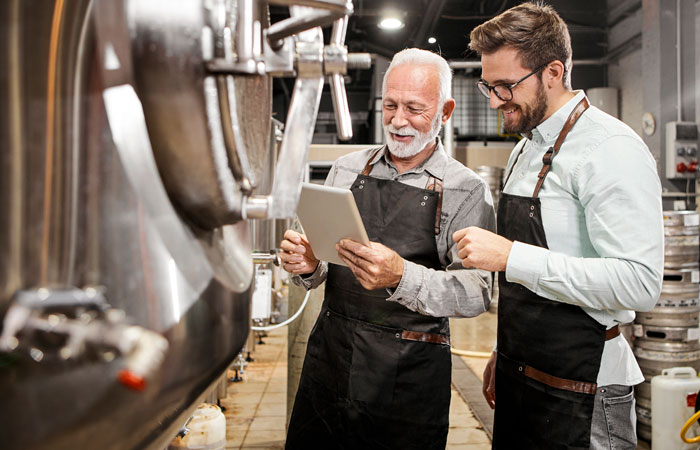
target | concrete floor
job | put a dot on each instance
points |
(256, 407)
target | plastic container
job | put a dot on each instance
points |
(207, 430)
(673, 396)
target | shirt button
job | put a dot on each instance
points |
(425, 197)
(361, 186)
(532, 215)
(328, 313)
(398, 335)
(532, 207)
(422, 203)
(362, 181)
(520, 368)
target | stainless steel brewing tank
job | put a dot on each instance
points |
(81, 213)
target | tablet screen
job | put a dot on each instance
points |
(329, 214)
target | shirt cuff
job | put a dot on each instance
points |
(526, 263)
(312, 280)
(409, 285)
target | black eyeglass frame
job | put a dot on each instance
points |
(510, 86)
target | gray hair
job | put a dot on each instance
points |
(425, 57)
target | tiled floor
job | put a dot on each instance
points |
(256, 407)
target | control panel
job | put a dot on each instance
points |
(681, 150)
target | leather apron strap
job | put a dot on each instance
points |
(553, 151)
(549, 155)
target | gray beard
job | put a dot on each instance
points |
(418, 143)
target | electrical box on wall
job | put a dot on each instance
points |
(681, 150)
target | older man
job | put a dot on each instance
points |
(377, 368)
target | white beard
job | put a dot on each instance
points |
(418, 143)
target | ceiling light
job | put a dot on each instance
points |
(432, 40)
(390, 23)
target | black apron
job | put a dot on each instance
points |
(549, 352)
(377, 375)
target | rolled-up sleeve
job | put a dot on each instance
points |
(456, 291)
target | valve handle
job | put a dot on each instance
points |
(338, 92)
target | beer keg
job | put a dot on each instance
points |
(681, 241)
(494, 178)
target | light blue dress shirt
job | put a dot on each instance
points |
(602, 216)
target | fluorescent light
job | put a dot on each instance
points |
(432, 40)
(390, 23)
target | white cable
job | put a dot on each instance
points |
(288, 321)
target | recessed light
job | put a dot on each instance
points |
(432, 40)
(390, 23)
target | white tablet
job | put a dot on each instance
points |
(329, 214)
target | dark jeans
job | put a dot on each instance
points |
(614, 424)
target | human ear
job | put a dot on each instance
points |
(447, 110)
(554, 73)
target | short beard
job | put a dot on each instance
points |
(532, 117)
(417, 144)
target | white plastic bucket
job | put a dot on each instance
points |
(207, 430)
(671, 393)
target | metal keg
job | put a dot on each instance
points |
(643, 422)
(673, 334)
(678, 304)
(655, 355)
(643, 414)
(670, 317)
(681, 241)
(493, 176)
(680, 288)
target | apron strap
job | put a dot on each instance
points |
(435, 184)
(368, 166)
(552, 151)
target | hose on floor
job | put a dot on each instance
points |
(687, 425)
(288, 321)
(470, 353)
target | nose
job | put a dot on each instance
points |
(399, 119)
(494, 101)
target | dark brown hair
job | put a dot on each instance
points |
(534, 29)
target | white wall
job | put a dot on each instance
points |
(626, 76)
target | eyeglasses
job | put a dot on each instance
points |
(504, 91)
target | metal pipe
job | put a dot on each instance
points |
(342, 8)
(338, 94)
(679, 100)
(576, 62)
(244, 30)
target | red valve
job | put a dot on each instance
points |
(693, 166)
(131, 380)
(681, 167)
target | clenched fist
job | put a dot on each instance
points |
(482, 249)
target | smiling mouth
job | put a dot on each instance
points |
(508, 112)
(401, 137)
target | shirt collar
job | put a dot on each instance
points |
(435, 165)
(548, 131)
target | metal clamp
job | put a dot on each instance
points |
(266, 258)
